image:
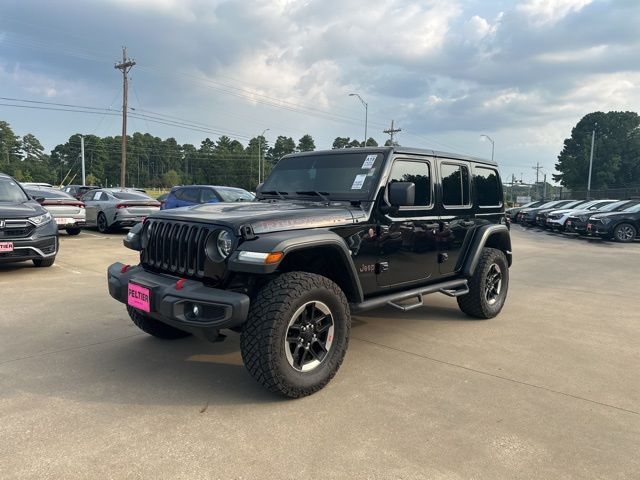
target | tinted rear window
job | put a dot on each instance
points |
(130, 196)
(46, 193)
(487, 185)
(234, 194)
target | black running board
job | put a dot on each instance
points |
(451, 288)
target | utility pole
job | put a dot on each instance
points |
(391, 132)
(537, 168)
(126, 65)
(593, 138)
(366, 115)
(84, 181)
(544, 191)
(260, 159)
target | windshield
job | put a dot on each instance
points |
(613, 206)
(10, 191)
(634, 209)
(343, 176)
(234, 194)
(130, 196)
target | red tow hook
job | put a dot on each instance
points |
(125, 268)
(180, 284)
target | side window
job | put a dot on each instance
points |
(455, 185)
(191, 195)
(104, 197)
(207, 195)
(179, 194)
(487, 186)
(417, 172)
(97, 195)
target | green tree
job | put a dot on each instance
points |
(616, 153)
(32, 149)
(371, 142)
(341, 142)
(282, 146)
(353, 144)
(91, 179)
(170, 179)
(306, 144)
(10, 154)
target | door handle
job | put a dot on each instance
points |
(467, 223)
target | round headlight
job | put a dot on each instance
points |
(224, 243)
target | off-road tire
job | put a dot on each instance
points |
(103, 227)
(475, 303)
(73, 231)
(154, 327)
(619, 233)
(262, 341)
(44, 262)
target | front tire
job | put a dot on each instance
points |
(488, 286)
(297, 334)
(154, 327)
(625, 233)
(44, 262)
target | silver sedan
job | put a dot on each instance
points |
(112, 208)
(68, 213)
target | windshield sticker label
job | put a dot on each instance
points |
(369, 161)
(358, 182)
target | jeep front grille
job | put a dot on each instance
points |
(175, 247)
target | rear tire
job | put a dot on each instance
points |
(103, 226)
(73, 231)
(625, 233)
(297, 334)
(154, 327)
(488, 286)
(44, 262)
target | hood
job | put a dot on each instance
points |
(20, 210)
(266, 217)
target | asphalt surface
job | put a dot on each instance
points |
(550, 389)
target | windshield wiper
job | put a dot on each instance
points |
(322, 195)
(275, 192)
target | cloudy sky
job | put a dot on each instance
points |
(447, 71)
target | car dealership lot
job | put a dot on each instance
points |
(548, 389)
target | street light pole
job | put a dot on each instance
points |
(593, 138)
(366, 115)
(260, 159)
(493, 144)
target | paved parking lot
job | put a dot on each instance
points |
(550, 389)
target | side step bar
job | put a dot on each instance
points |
(452, 288)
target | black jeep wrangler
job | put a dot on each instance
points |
(331, 233)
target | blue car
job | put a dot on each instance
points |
(195, 194)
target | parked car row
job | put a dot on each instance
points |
(31, 214)
(610, 219)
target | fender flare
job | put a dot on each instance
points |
(291, 241)
(495, 236)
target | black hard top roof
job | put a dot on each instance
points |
(400, 150)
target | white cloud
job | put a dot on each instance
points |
(551, 11)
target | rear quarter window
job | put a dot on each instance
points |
(487, 187)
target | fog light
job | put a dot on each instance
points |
(195, 310)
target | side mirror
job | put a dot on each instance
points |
(40, 200)
(259, 188)
(402, 194)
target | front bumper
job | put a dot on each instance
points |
(172, 305)
(42, 242)
(600, 229)
(555, 223)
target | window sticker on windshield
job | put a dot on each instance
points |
(358, 182)
(369, 161)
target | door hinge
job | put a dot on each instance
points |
(382, 267)
(443, 257)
